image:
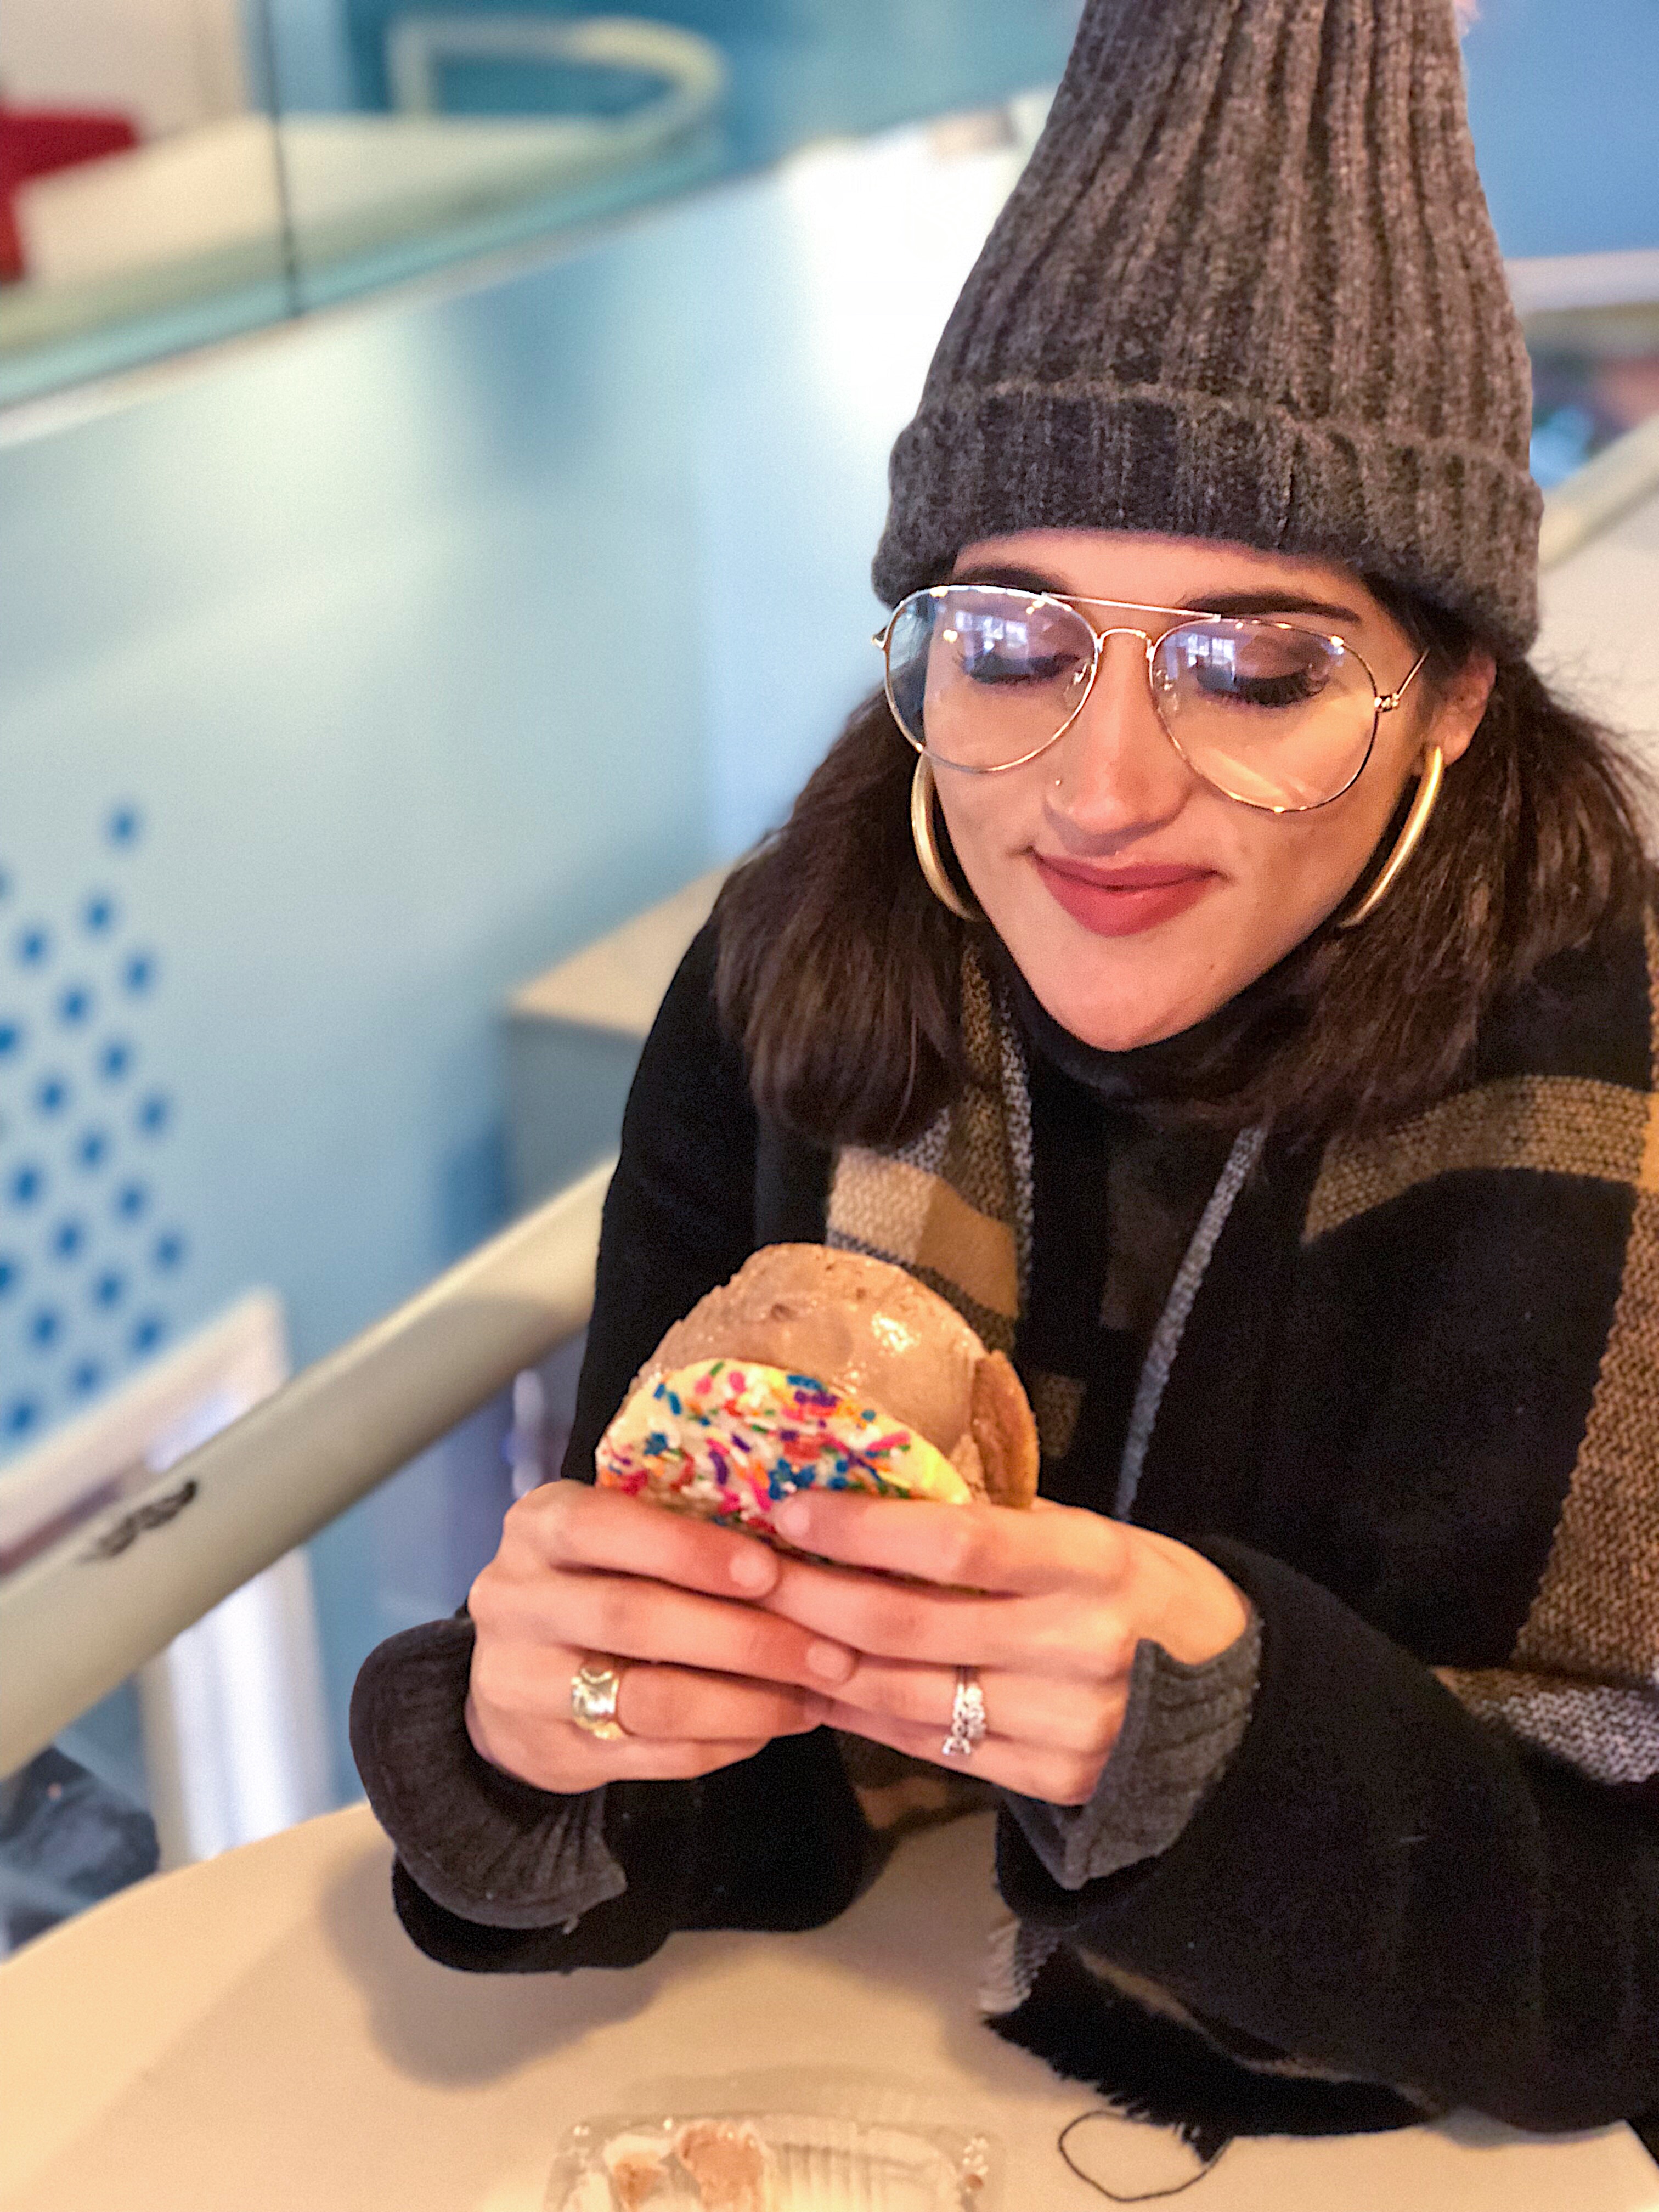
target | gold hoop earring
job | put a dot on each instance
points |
(925, 838)
(1411, 833)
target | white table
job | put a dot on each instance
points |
(257, 2032)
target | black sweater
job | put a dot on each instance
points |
(1378, 1425)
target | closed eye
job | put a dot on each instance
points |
(997, 668)
(1293, 689)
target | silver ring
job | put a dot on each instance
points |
(968, 1721)
(594, 1688)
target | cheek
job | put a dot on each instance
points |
(992, 821)
(1293, 871)
(1295, 868)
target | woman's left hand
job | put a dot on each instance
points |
(1047, 1605)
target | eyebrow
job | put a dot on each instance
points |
(1213, 603)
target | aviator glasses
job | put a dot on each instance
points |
(983, 677)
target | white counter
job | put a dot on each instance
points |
(257, 2032)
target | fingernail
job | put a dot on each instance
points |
(753, 1569)
(792, 1518)
(833, 1660)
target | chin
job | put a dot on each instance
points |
(1109, 1013)
(1108, 1031)
(1117, 994)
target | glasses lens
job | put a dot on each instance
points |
(1271, 714)
(981, 678)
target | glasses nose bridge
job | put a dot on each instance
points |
(1149, 640)
(1122, 630)
(1149, 637)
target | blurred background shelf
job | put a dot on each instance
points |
(573, 1035)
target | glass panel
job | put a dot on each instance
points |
(147, 206)
(142, 210)
(155, 207)
(416, 137)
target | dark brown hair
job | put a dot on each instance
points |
(839, 971)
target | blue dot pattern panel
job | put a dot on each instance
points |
(92, 1256)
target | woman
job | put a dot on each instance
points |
(1261, 1049)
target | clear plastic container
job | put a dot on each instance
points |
(803, 2146)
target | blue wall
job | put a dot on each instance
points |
(1564, 99)
(419, 646)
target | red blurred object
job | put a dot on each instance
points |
(34, 141)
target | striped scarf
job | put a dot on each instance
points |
(954, 1207)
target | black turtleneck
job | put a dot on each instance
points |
(1118, 1182)
(1152, 1078)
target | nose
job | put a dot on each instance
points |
(1115, 773)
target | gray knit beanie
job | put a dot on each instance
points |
(1246, 289)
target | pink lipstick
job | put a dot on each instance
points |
(1122, 901)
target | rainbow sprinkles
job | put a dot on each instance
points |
(728, 1440)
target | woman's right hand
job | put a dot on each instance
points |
(583, 1572)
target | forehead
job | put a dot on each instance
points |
(1141, 570)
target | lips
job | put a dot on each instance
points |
(1121, 902)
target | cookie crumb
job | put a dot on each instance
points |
(728, 2160)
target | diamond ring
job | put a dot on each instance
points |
(968, 1723)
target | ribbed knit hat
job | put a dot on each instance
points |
(1246, 289)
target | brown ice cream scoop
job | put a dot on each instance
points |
(873, 1332)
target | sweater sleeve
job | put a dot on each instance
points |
(480, 1843)
(1180, 1726)
(492, 1874)
(1390, 1888)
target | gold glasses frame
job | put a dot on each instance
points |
(1383, 703)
